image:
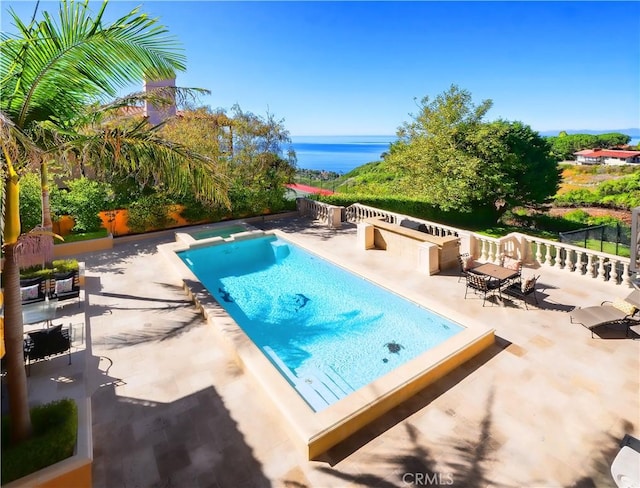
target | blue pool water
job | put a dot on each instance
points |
(328, 331)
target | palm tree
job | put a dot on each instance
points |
(50, 72)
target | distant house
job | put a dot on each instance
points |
(607, 156)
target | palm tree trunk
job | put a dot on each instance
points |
(47, 224)
(14, 337)
(13, 328)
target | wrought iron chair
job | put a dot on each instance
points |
(522, 290)
(464, 263)
(482, 284)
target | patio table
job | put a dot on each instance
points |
(44, 311)
(495, 271)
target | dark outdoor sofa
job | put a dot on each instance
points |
(42, 344)
(33, 290)
(66, 286)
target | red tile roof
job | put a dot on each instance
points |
(607, 153)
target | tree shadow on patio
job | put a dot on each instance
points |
(192, 441)
(416, 465)
(184, 315)
(600, 462)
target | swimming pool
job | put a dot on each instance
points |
(328, 331)
(317, 431)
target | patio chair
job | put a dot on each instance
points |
(618, 311)
(515, 264)
(482, 284)
(625, 468)
(522, 290)
(66, 286)
(466, 263)
(42, 344)
(33, 290)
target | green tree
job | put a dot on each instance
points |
(248, 148)
(30, 201)
(448, 156)
(49, 73)
(613, 139)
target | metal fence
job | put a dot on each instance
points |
(614, 239)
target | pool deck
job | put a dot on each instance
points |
(546, 406)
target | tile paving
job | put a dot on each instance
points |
(544, 407)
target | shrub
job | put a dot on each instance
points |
(55, 428)
(84, 201)
(58, 266)
(415, 208)
(578, 215)
(150, 212)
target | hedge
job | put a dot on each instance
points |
(55, 428)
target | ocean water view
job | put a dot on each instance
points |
(340, 154)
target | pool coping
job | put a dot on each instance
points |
(316, 432)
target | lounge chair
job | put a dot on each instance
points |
(625, 468)
(619, 311)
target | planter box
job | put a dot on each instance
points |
(79, 247)
(74, 471)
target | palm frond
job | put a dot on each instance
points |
(54, 68)
(136, 151)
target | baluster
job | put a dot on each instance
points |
(579, 262)
(547, 258)
(602, 272)
(493, 252)
(483, 250)
(538, 253)
(559, 261)
(615, 273)
(591, 265)
(626, 276)
(570, 262)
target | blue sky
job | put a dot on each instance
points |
(331, 68)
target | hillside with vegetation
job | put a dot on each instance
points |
(451, 166)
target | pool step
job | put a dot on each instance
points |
(318, 388)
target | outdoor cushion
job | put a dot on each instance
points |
(469, 263)
(512, 263)
(527, 283)
(410, 224)
(623, 305)
(64, 286)
(29, 292)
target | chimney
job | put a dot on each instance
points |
(155, 114)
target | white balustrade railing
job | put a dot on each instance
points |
(357, 213)
(574, 259)
(532, 250)
(331, 215)
(484, 248)
(314, 209)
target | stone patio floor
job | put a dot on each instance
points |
(546, 406)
